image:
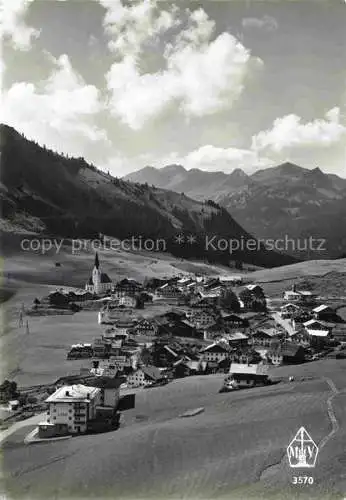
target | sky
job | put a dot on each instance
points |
(215, 85)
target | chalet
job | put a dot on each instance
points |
(245, 355)
(145, 327)
(215, 352)
(289, 310)
(145, 376)
(58, 299)
(173, 315)
(124, 326)
(323, 312)
(318, 332)
(80, 296)
(106, 368)
(164, 355)
(101, 348)
(264, 337)
(127, 287)
(287, 353)
(185, 367)
(127, 301)
(237, 339)
(202, 319)
(339, 332)
(304, 297)
(125, 361)
(216, 330)
(300, 337)
(168, 291)
(115, 348)
(204, 303)
(234, 321)
(212, 295)
(181, 328)
(211, 283)
(247, 375)
(186, 285)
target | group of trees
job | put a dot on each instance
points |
(8, 391)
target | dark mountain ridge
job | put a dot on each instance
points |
(52, 194)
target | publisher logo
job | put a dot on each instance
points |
(302, 450)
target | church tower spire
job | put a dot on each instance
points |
(96, 275)
(97, 263)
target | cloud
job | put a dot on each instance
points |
(289, 132)
(132, 26)
(13, 25)
(201, 76)
(212, 158)
(267, 23)
(58, 112)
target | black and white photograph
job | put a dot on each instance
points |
(173, 250)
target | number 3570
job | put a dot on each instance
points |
(302, 480)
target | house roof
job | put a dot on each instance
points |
(249, 369)
(170, 351)
(252, 287)
(312, 322)
(317, 333)
(152, 372)
(103, 382)
(217, 347)
(321, 308)
(268, 332)
(285, 306)
(237, 336)
(287, 349)
(71, 393)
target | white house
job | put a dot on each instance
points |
(71, 407)
(127, 301)
(144, 376)
(216, 352)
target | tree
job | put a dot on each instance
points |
(229, 301)
(305, 284)
(8, 391)
(139, 302)
(36, 303)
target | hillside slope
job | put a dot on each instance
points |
(45, 192)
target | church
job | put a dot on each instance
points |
(98, 282)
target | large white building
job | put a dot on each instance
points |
(98, 282)
(72, 406)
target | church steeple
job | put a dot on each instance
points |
(97, 263)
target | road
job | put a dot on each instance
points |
(19, 425)
(235, 449)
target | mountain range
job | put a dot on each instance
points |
(42, 192)
(282, 202)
